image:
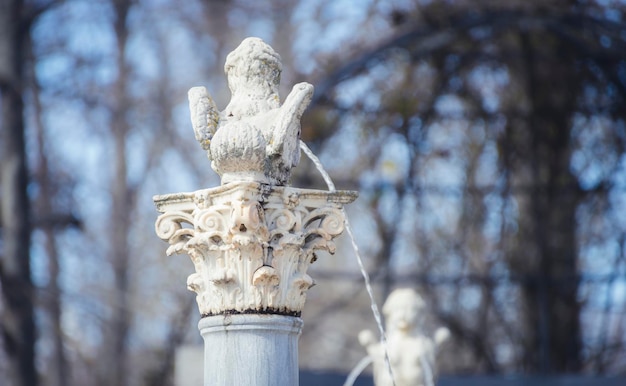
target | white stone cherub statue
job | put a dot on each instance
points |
(254, 138)
(411, 352)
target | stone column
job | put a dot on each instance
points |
(251, 239)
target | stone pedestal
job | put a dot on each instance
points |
(250, 349)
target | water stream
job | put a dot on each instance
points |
(366, 276)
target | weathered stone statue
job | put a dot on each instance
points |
(411, 352)
(251, 239)
(254, 138)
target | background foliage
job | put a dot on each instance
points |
(487, 140)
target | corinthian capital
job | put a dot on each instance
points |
(251, 243)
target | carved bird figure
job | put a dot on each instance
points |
(255, 138)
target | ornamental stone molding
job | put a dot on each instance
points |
(251, 243)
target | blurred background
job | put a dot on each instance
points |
(487, 140)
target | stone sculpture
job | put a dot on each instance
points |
(254, 138)
(252, 239)
(411, 352)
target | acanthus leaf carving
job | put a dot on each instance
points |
(252, 246)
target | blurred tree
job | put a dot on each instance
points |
(49, 218)
(516, 75)
(17, 322)
(122, 202)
